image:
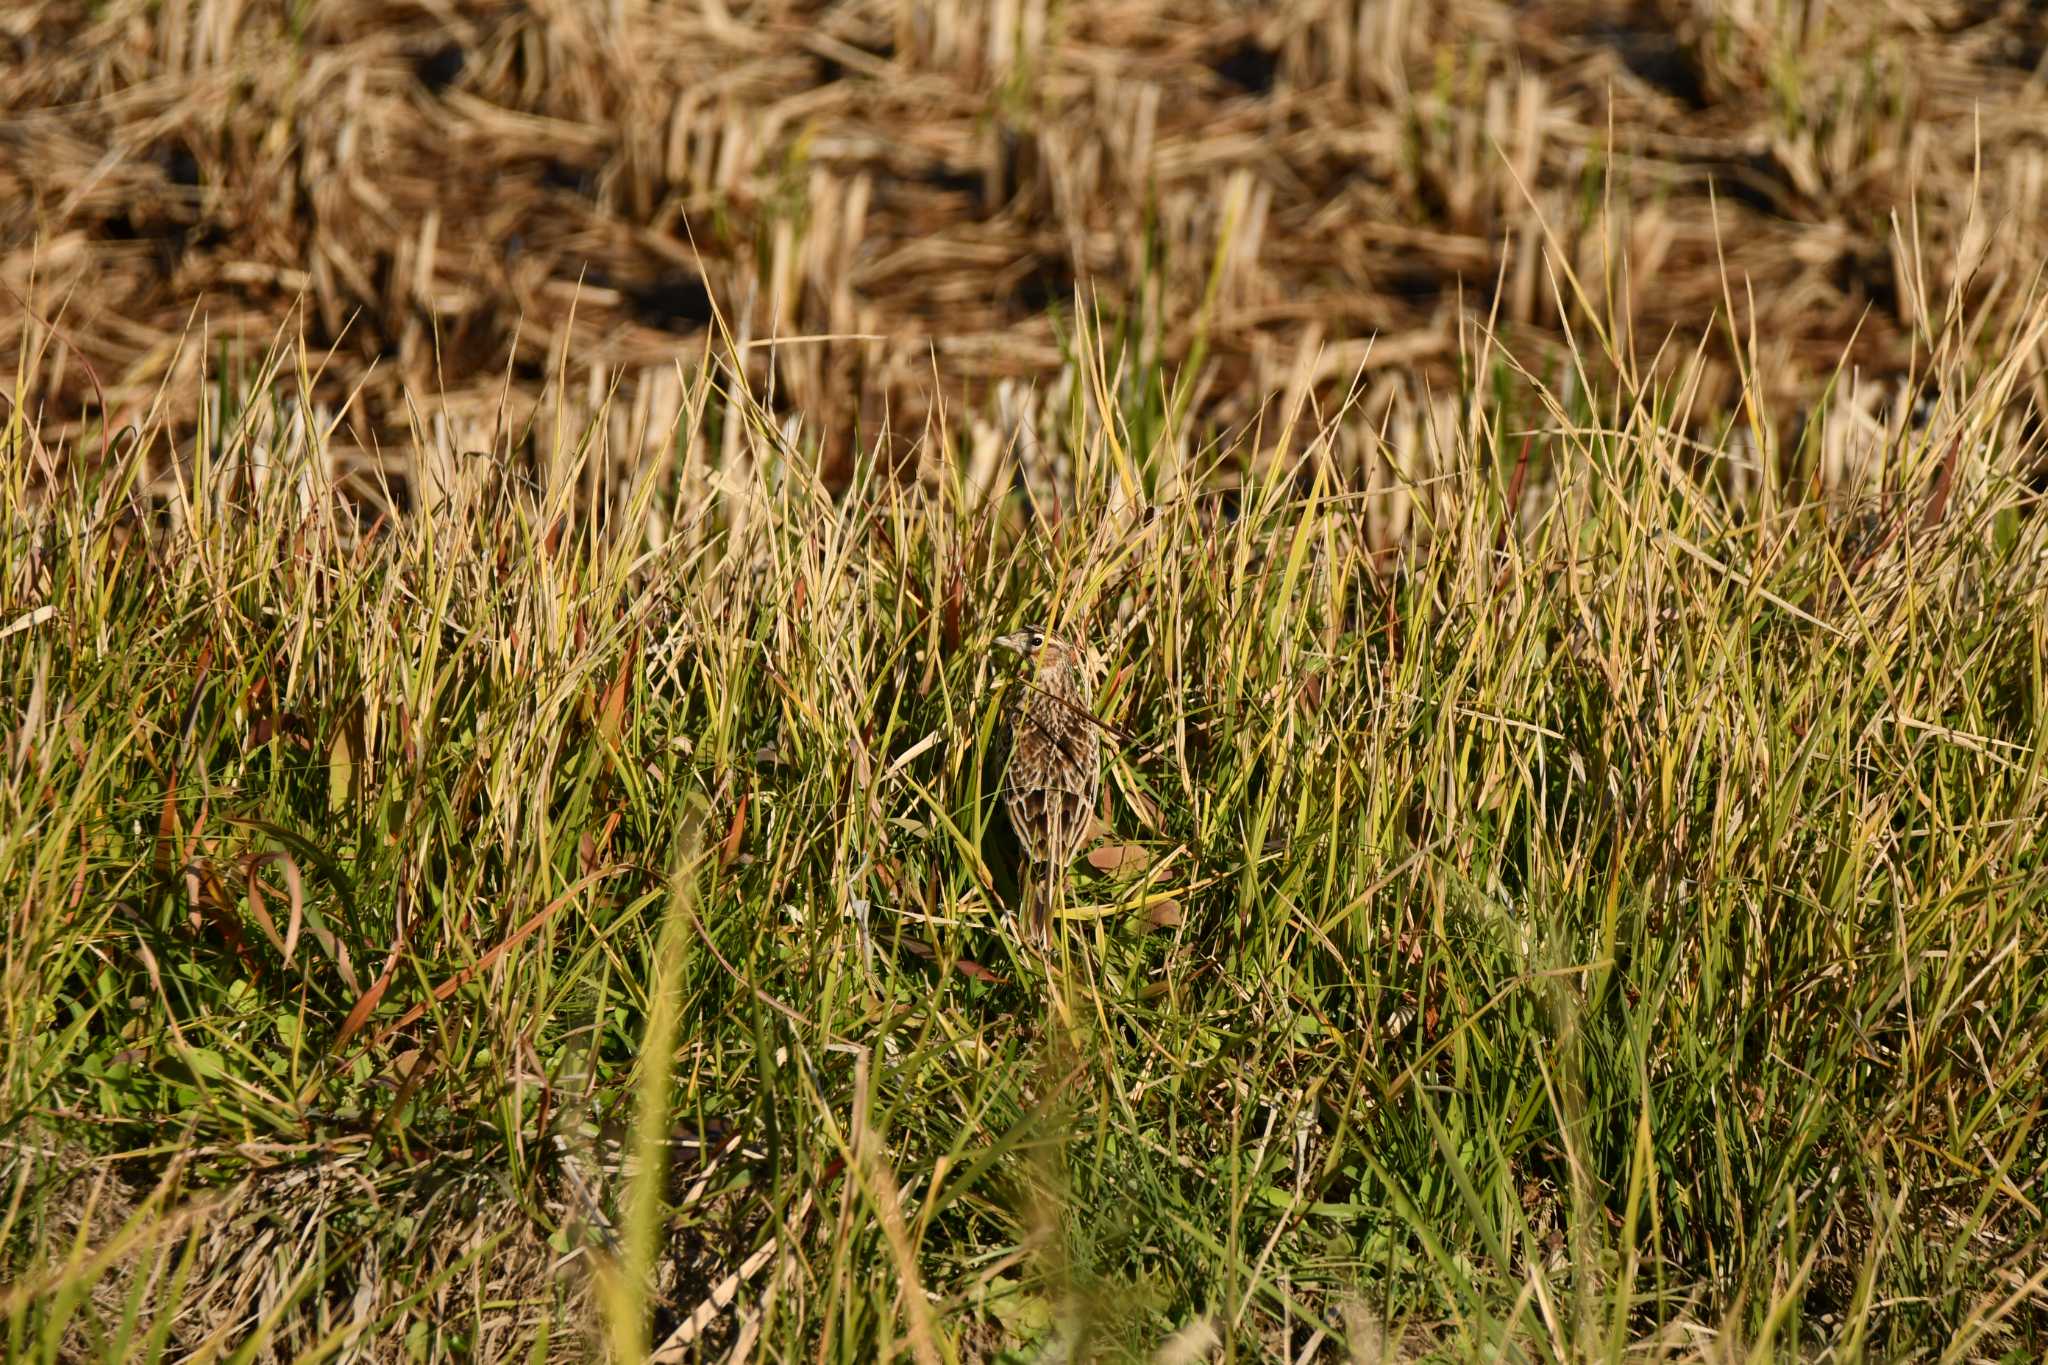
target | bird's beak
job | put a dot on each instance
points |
(1019, 643)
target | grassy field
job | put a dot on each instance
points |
(1611, 928)
(507, 508)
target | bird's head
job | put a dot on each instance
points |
(1044, 649)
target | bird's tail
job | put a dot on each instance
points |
(1039, 909)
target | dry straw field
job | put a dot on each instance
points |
(507, 511)
(456, 204)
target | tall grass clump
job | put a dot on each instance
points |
(514, 902)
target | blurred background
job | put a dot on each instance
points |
(465, 208)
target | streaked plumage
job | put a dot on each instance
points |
(1055, 765)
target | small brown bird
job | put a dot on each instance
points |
(1055, 766)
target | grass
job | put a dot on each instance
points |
(500, 828)
(567, 915)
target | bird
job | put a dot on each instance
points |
(1054, 768)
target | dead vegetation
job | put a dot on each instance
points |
(470, 201)
(322, 1246)
(319, 1247)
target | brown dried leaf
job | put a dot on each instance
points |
(258, 909)
(359, 1012)
(1161, 915)
(730, 849)
(167, 827)
(1123, 860)
(611, 707)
